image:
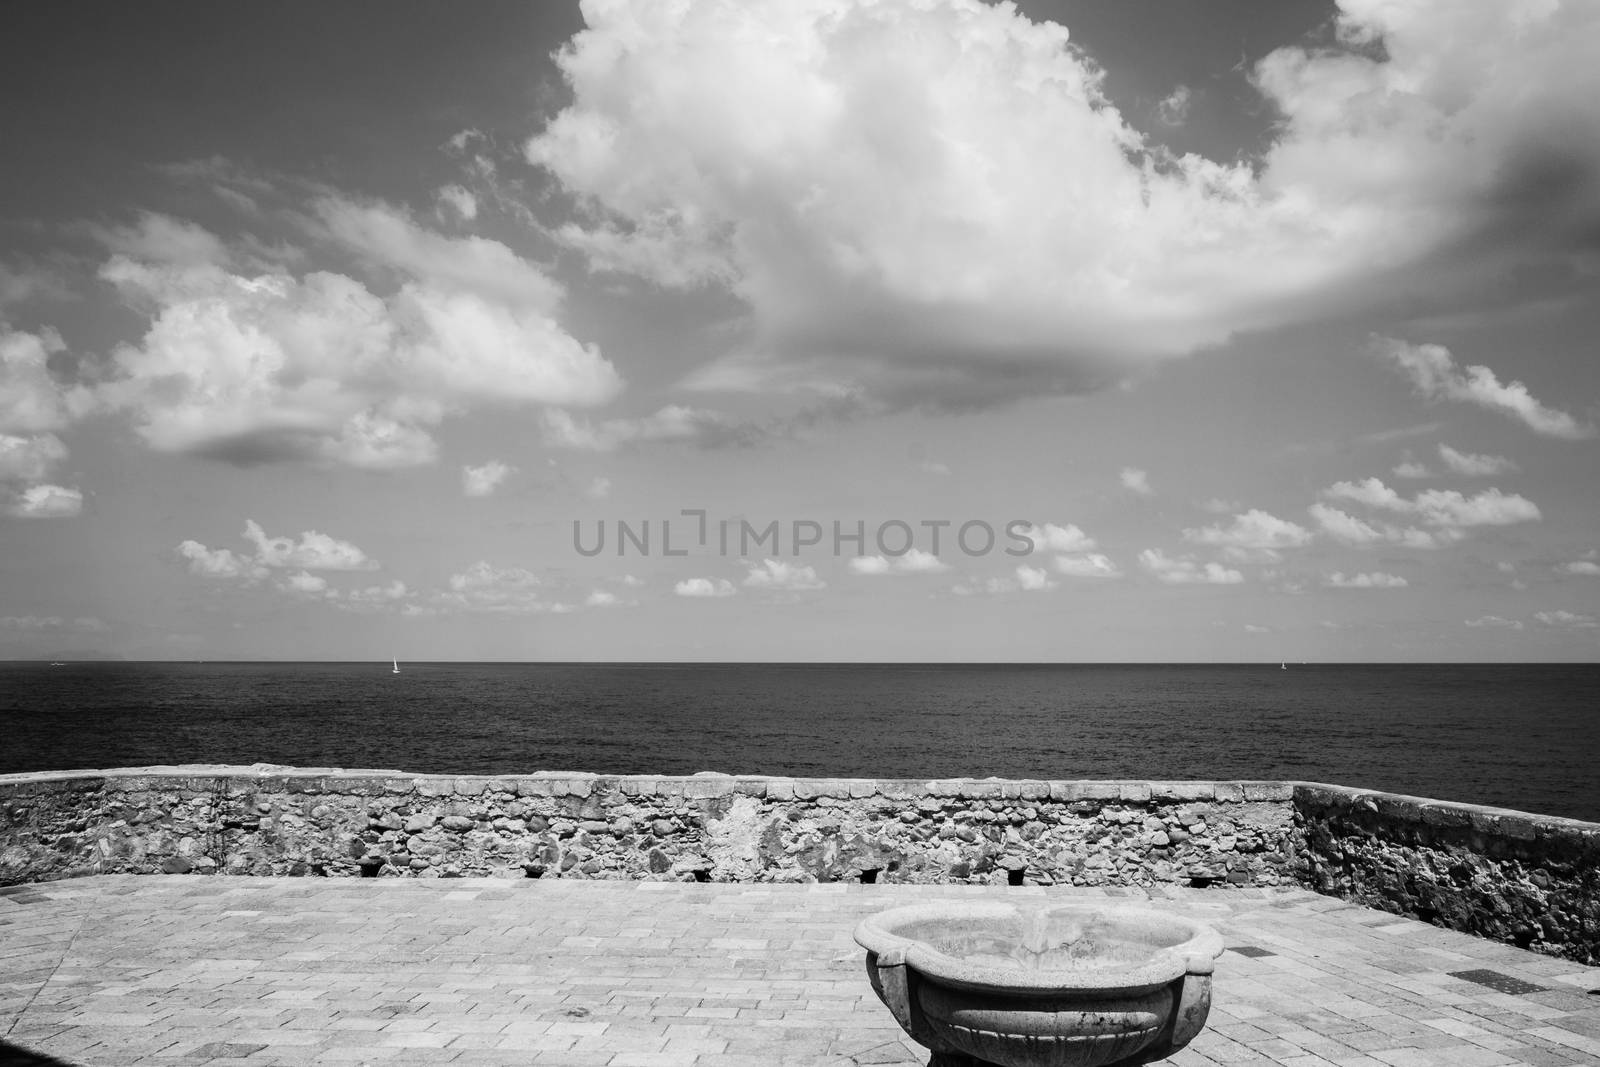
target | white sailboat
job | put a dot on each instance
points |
(396, 666)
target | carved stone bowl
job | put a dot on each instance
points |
(1072, 984)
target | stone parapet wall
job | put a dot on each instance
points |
(1529, 880)
(1525, 879)
(705, 827)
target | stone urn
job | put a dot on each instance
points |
(1079, 984)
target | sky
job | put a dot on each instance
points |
(929, 330)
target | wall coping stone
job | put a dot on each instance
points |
(1507, 822)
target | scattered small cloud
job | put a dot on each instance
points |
(1434, 373)
(974, 587)
(1410, 468)
(44, 502)
(31, 400)
(1349, 530)
(375, 596)
(220, 563)
(313, 551)
(459, 141)
(600, 598)
(1494, 622)
(598, 488)
(674, 423)
(305, 583)
(914, 561)
(37, 623)
(1474, 465)
(1173, 110)
(705, 587)
(1024, 579)
(1186, 570)
(483, 587)
(33, 407)
(1087, 565)
(1252, 628)
(1398, 433)
(930, 466)
(1034, 579)
(459, 202)
(1254, 536)
(1450, 509)
(1371, 492)
(484, 480)
(478, 156)
(1443, 508)
(1135, 481)
(1570, 620)
(52, 626)
(299, 558)
(773, 574)
(29, 458)
(1373, 580)
(1052, 538)
(1586, 567)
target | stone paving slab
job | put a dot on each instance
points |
(176, 970)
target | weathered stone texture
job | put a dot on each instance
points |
(1510, 876)
(708, 827)
(1527, 880)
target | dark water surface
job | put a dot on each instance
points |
(1523, 737)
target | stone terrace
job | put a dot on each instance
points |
(150, 969)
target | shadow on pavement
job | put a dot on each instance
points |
(15, 1056)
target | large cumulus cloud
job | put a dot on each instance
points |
(936, 198)
(249, 362)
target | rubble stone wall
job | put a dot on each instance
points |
(1524, 879)
(705, 827)
(1528, 880)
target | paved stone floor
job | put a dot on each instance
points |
(182, 970)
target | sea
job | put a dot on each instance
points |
(1524, 737)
